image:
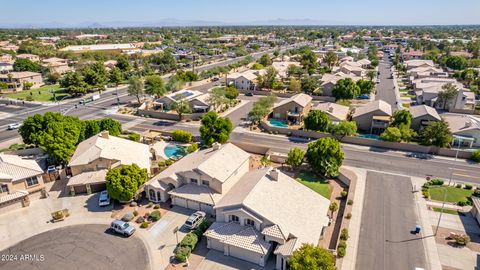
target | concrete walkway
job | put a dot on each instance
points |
(431, 251)
(348, 262)
(456, 222)
(459, 258)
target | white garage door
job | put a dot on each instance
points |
(17, 204)
(180, 202)
(193, 205)
(245, 255)
(215, 244)
(207, 208)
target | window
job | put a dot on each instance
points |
(234, 218)
(3, 188)
(32, 181)
(205, 183)
(192, 180)
(249, 222)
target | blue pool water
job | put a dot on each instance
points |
(370, 136)
(277, 123)
(172, 150)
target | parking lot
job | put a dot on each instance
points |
(388, 219)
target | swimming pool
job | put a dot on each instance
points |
(369, 136)
(277, 123)
(174, 151)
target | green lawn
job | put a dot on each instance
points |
(446, 211)
(454, 194)
(315, 183)
(405, 90)
(40, 94)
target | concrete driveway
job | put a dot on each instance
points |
(78, 247)
(215, 260)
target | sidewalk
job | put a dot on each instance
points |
(349, 261)
(429, 244)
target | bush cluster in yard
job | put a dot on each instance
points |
(190, 241)
(182, 136)
(144, 225)
(155, 215)
(182, 253)
(344, 234)
(342, 249)
(467, 186)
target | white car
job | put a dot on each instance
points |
(14, 126)
(104, 198)
(195, 219)
(122, 227)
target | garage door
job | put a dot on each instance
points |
(245, 255)
(180, 202)
(206, 208)
(97, 187)
(8, 206)
(215, 244)
(193, 205)
(80, 189)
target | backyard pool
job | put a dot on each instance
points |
(277, 123)
(174, 151)
(369, 136)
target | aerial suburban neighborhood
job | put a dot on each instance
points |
(340, 137)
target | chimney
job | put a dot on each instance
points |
(104, 134)
(216, 145)
(330, 109)
(468, 123)
(274, 174)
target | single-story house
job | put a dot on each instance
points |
(267, 212)
(31, 57)
(422, 116)
(465, 130)
(199, 180)
(18, 178)
(373, 117)
(103, 152)
(17, 81)
(6, 67)
(411, 55)
(418, 63)
(197, 100)
(328, 81)
(282, 68)
(336, 112)
(293, 109)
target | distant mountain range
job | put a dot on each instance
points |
(165, 22)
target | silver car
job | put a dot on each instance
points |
(195, 219)
(122, 227)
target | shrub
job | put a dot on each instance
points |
(192, 148)
(133, 204)
(128, 217)
(134, 137)
(202, 228)
(348, 216)
(155, 215)
(144, 225)
(156, 206)
(168, 162)
(436, 182)
(182, 136)
(476, 193)
(342, 244)
(468, 186)
(462, 203)
(182, 253)
(161, 164)
(341, 252)
(461, 239)
(425, 193)
(350, 202)
(289, 134)
(190, 240)
(343, 194)
(140, 220)
(344, 234)
(458, 185)
(135, 213)
(476, 156)
(150, 204)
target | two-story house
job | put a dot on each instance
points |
(267, 212)
(199, 180)
(293, 109)
(373, 117)
(94, 156)
(18, 178)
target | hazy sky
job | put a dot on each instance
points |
(241, 11)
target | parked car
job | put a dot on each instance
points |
(14, 126)
(122, 227)
(249, 94)
(104, 198)
(195, 219)
(363, 96)
(51, 169)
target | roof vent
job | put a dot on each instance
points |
(274, 174)
(104, 134)
(468, 123)
(216, 145)
(330, 109)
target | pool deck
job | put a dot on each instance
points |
(159, 148)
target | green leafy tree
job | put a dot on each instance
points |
(333, 208)
(447, 95)
(343, 128)
(316, 120)
(53, 78)
(122, 63)
(308, 61)
(181, 107)
(325, 156)
(437, 134)
(231, 92)
(371, 74)
(261, 108)
(345, 89)
(309, 257)
(113, 127)
(310, 84)
(116, 76)
(135, 87)
(366, 87)
(123, 182)
(456, 62)
(295, 86)
(215, 129)
(401, 118)
(257, 66)
(269, 79)
(182, 136)
(26, 65)
(217, 97)
(265, 161)
(155, 86)
(95, 75)
(163, 61)
(330, 58)
(174, 84)
(74, 83)
(391, 134)
(295, 157)
(265, 60)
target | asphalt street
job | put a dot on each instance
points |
(388, 219)
(385, 89)
(76, 247)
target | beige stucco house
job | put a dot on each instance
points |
(56, 65)
(335, 112)
(293, 109)
(94, 156)
(267, 213)
(465, 130)
(18, 178)
(422, 116)
(199, 180)
(373, 117)
(17, 81)
(31, 57)
(246, 80)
